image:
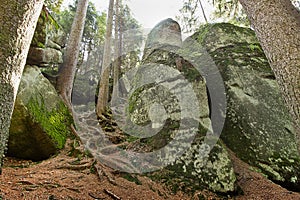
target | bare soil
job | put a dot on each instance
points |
(74, 178)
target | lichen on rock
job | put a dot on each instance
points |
(258, 127)
(176, 85)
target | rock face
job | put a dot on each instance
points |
(44, 56)
(258, 127)
(169, 95)
(47, 44)
(40, 121)
(165, 32)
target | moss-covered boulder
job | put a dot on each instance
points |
(258, 127)
(40, 121)
(169, 95)
(193, 171)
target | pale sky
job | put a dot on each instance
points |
(149, 12)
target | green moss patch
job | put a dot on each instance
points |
(55, 122)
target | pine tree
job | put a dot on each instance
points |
(68, 69)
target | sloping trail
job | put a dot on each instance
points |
(76, 178)
(253, 184)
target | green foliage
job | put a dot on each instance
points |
(94, 34)
(254, 47)
(95, 25)
(53, 5)
(94, 28)
(227, 10)
(65, 19)
(128, 22)
(46, 23)
(190, 15)
(48, 18)
(55, 122)
(230, 10)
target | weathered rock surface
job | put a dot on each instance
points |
(47, 44)
(44, 56)
(169, 95)
(40, 121)
(258, 127)
(165, 32)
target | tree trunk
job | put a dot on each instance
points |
(277, 26)
(68, 69)
(18, 20)
(117, 45)
(104, 80)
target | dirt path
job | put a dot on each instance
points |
(65, 177)
(73, 175)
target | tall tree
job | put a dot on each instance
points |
(18, 20)
(118, 43)
(93, 34)
(105, 72)
(67, 70)
(277, 26)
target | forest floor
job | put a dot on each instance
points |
(67, 177)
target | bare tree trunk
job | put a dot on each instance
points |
(68, 69)
(104, 80)
(18, 20)
(277, 26)
(117, 45)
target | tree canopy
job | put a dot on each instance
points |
(94, 28)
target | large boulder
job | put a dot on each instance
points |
(40, 121)
(258, 127)
(169, 96)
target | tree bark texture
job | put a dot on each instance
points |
(68, 69)
(277, 26)
(105, 72)
(18, 20)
